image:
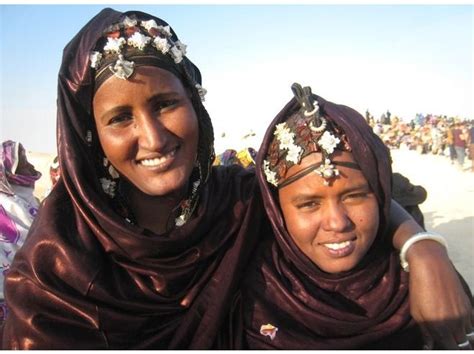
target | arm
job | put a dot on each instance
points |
(438, 300)
(402, 226)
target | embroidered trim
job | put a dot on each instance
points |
(308, 129)
(154, 36)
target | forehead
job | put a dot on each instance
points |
(348, 178)
(148, 78)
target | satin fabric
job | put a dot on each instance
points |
(87, 279)
(364, 308)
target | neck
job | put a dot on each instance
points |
(154, 212)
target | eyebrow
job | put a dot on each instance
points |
(126, 108)
(114, 111)
(162, 96)
(302, 196)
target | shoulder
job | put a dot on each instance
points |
(236, 179)
(56, 250)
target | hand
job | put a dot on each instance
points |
(438, 301)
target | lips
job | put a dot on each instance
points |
(339, 249)
(337, 246)
(159, 162)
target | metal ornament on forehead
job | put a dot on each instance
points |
(145, 39)
(303, 133)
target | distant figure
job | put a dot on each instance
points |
(387, 117)
(54, 174)
(450, 143)
(471, 145)
(227, 158)
(245, 158)
(459, 142)
(18, 206)
(409, 196)
(436, 139)
(54, 171)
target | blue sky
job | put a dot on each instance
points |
(405, 58)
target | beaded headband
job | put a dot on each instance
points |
(131, 43)
(304, 132)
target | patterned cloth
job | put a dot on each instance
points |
(289, 303)
(245, 158)
(18, 206)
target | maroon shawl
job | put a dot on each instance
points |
(364, 308)
(86, 278)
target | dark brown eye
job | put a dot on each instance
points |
(356, 197)
(164, 105)
(121, 118)
(309, 205)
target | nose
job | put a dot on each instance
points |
(152, 134)
(335, 217)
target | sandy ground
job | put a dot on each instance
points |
(448, 210)
(449, 207)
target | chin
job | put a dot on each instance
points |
(340, 267)
(165, 187)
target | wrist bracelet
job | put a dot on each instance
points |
(419, 237)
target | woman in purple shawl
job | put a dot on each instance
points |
(114, 259)
(141, 244)
(329, 278)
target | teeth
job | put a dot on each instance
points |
(157, 161)
(337, 246)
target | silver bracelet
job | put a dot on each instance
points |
(419, 237)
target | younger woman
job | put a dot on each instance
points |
(329, 278)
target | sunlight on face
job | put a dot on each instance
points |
(333, 225)
(148, 129)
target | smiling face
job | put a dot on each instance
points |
(333, 225)
(148, 129)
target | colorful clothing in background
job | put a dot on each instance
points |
(18, 206)
(245, 158)
(227, 158)
(471, 146)
(54, 174)
(459, 142)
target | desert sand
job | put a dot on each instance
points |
(449, 207)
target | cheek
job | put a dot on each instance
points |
(189, 126)
(367, 219)
(117, 145)
(301, 227)
(110, 142)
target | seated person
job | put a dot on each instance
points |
(409, 196)
(329, 278)
(18, 206)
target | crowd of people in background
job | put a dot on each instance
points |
(428, 134)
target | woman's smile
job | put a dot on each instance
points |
(159, 163)
(148, 130)
(339, 249)
(333, 225)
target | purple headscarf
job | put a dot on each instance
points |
(88, 278)
(289, 303)
(15, 168)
